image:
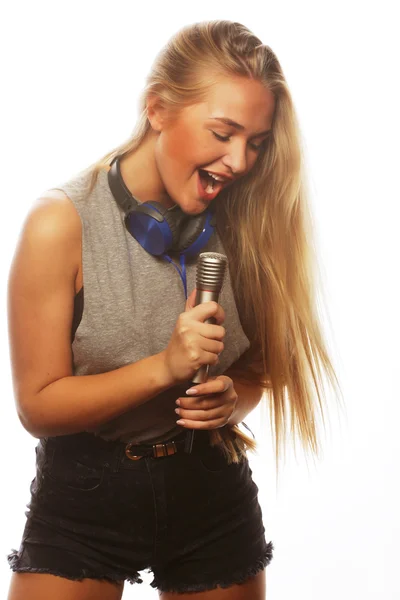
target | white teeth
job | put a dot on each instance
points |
(216, 177)
(209, 188)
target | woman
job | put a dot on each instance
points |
(103, 344)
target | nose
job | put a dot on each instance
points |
(236, 159)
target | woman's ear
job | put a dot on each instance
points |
(160, 115)
(155, 112)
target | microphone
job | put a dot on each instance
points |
(209, 279)
(210, 273)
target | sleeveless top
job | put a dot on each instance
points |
(128, 307)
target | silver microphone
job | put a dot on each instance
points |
(210, 274)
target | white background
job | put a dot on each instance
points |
(71, 75)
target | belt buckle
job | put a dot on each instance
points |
(128, 452)
(159, 450)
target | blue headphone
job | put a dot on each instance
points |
(159, 229)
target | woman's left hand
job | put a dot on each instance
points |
(212, 407)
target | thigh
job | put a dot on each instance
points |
(81, 524)
(211, 534)
(43, 586)
(254, 588)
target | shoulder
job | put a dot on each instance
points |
(51, 233)
(53, 215)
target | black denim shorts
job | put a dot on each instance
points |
(191, 519)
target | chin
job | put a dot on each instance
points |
(194, 208)
(194, 212)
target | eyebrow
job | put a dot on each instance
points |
(237, 125)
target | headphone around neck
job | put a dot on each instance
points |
(158, 229)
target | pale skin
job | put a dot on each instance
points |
(169, 156)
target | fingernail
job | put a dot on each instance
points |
(192, 391)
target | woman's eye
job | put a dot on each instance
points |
(260, 146)
(220, 137)
(226, 139)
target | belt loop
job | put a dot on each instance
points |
(117, 457)
(164, 449)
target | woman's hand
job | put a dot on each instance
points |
(194, 342)
(211, 407)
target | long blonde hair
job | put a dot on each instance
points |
(265, 224)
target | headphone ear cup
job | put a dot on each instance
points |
(170, 217)
(191, 232)
(146, 223)
(159, 229)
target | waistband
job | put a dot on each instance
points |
(90, 443)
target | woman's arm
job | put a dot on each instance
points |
(249, 396)
(41, 288)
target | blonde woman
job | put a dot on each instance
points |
(105, 339)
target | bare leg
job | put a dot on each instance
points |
(43, 586)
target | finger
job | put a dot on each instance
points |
(210, 358)
(197, 414)
(212, 386)
(205, 310)
(187, 424)
(214, 346)
(215, 332)
(190, 302)
(212, 332)
(199, 403)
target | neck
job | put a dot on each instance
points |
(140, 173)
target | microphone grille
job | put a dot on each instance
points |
(210, 273)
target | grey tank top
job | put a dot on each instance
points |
(131, 302)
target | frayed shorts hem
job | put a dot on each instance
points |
(13, 560)
(239, 578)
(163, 586)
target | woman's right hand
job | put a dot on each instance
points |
(194, 343)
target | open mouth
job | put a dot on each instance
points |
(209, 184)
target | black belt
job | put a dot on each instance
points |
(178, 444)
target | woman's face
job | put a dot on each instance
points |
(192, 141)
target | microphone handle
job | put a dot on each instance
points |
(201, 374)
